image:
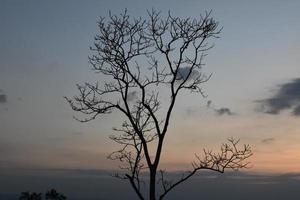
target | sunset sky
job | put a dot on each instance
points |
(254, 90)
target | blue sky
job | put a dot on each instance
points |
(44, 49)
(254, 94)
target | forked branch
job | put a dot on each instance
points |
(230, 156)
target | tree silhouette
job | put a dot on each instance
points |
(50, 195)
(145, 62)
(54, 195)
(30, 196)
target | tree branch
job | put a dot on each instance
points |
(229, 157)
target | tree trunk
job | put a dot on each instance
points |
(152, 183)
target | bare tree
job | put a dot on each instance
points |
(49, 195)
(140, 57)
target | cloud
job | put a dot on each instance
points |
(268, 140)
(131, 96)
(287, 97)
(183, 73)
(296, 111)
(3, 98)
(219, 111)
(224, 111)
(208, 104)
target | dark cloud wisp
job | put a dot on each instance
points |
(219, 111)
(224, 111)
(185, 72)
(286, 97)
(267, 140)
(132, 95)
(3, 98)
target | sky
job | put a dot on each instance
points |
(254, 92)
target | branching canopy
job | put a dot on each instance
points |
(141, 57)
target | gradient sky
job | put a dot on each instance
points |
(254, 90)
